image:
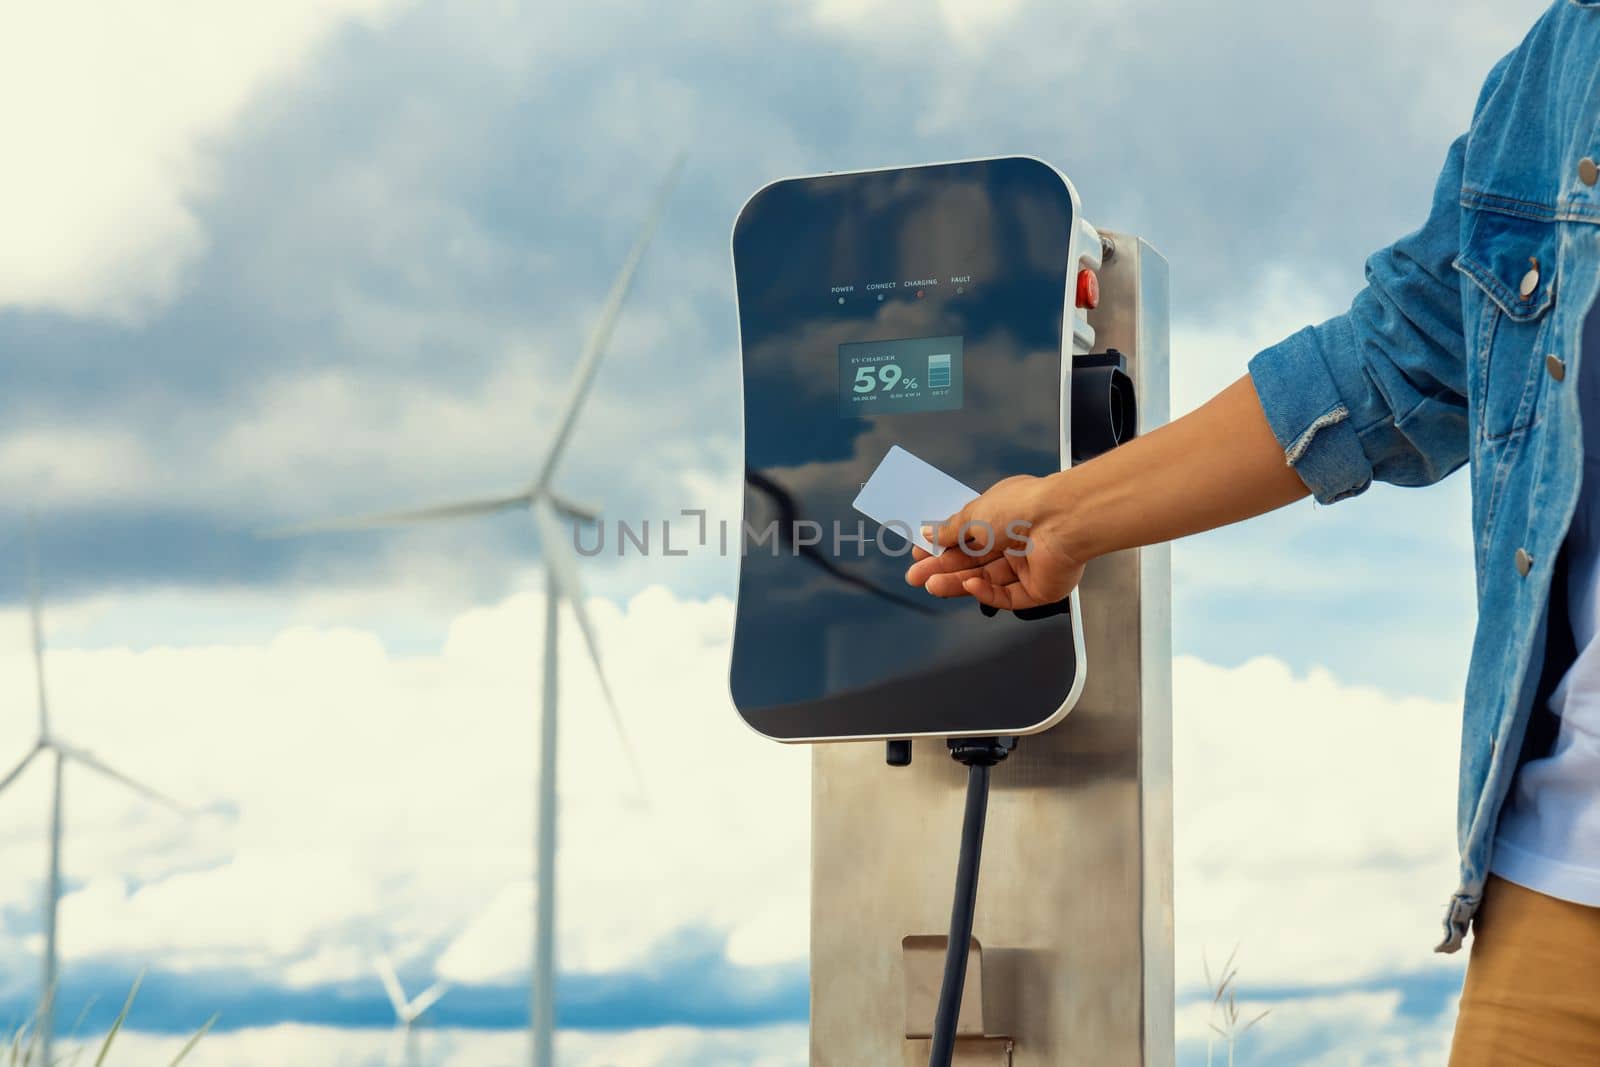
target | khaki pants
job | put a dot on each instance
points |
(1532, 995)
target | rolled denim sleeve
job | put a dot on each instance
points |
(1380, 391)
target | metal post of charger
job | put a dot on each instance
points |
(1075, 898)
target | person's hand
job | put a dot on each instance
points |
(1004, 549)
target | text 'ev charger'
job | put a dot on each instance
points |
(943, 309)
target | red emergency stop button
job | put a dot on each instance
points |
(1088, 289)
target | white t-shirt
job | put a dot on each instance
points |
(1549, 835)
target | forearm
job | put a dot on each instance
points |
(1217, 465)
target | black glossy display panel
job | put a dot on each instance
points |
(921, 307)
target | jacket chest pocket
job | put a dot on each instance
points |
(1511, 262)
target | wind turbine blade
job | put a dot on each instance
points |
(563, 563)
(94, 763)
(460, 510)
(595, 348)
(427, 999)
(36, 625)
(391, 986)
(572, 509)
(20, 767)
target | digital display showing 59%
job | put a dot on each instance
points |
(911, 374)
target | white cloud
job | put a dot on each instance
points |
(482, 952)
(48, 463)
(1316, 824)
(383, 803)
(386, 800)
(108, 109)
(340, 440)
(967, 22)
(1341, 1030)
(780, 932)
(261, 909)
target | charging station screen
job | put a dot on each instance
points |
(924, 308)
(914, 374)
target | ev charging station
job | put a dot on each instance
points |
(967, 313)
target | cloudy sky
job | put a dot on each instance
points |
(261, 264)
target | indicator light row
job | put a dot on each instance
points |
(960, 290)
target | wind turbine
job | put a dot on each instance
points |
(60, 753)
(406, 1012)
(548, 508)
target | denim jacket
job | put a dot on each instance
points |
(1463, 349)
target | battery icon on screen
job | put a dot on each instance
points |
(939, 372)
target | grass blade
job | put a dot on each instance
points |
(122, 1017)
(77, 1026)
(1257, 1019)
(33, 1043)
(14, 1055)
(195, 1040)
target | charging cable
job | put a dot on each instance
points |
(979, 755)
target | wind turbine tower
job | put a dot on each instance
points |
(59, 753)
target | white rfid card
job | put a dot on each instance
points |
(906, 493)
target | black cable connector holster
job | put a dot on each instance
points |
(981, 751)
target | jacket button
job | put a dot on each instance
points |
(1530, 283)
(1524, 562)
(1588, 171)
(1557, 369)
